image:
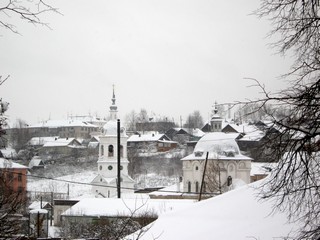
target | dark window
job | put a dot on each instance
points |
(121, 151)
(110, 151)
(197, 186)
(189, 187)
(20, 177)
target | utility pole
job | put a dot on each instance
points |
(203, 174)
(118, 159)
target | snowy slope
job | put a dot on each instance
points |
(234, 215)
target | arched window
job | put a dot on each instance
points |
(197, 168)
(110, 151)
(189, 186)
(102, 150)
(197, 186)
(121, 151)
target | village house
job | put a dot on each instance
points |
(36, 163)
(140, 209)
(38, 142)
(63, 128)
(60, 146)
(153, 142)
(13, 178)
(184, 135)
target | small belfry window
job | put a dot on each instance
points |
(110, 151)
(197, 168)
(102, 150)
(121, 151)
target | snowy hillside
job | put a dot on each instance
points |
(78, 185)
(234, 215)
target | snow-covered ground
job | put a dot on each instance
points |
(78, 185)
(235, 215)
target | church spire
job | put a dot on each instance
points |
(113, 107)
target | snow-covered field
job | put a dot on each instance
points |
(78, 185)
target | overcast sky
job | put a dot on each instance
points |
(168, 56)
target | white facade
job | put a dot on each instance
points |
(228, 162)
(105, 183)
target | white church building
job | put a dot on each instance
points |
(225, 164)
(105, 183)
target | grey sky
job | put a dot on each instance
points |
(168, 56)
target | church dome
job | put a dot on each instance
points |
(110, 128)
(218, 142)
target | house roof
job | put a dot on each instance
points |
(254, 135)
(97, 207)
(8, 152)
(261, 168)
(196, 132)
(4, 163)
(61, 142)
(148, 138)
(36, 141)
(62, 123)
(35, 161)
(38, 205)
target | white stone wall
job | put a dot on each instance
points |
(193, 171)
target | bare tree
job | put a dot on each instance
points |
(109, 228)
(28, 11)
(12, 206)
(19, 135)
(131, 120)
(194, 120)
(294, 183)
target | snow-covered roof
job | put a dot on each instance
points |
(4, 163)
(35, 162)
(8, 152)
(62, 123)
(237, 214)
(146, 138)
(261, 168)
(37, 205)
(196, 132)
(36, 141)
(96, 207)
(253, 134)
(242, 128)
(93, 144)
(60, 142)
(218, 145)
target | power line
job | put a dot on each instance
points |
(97, 185)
